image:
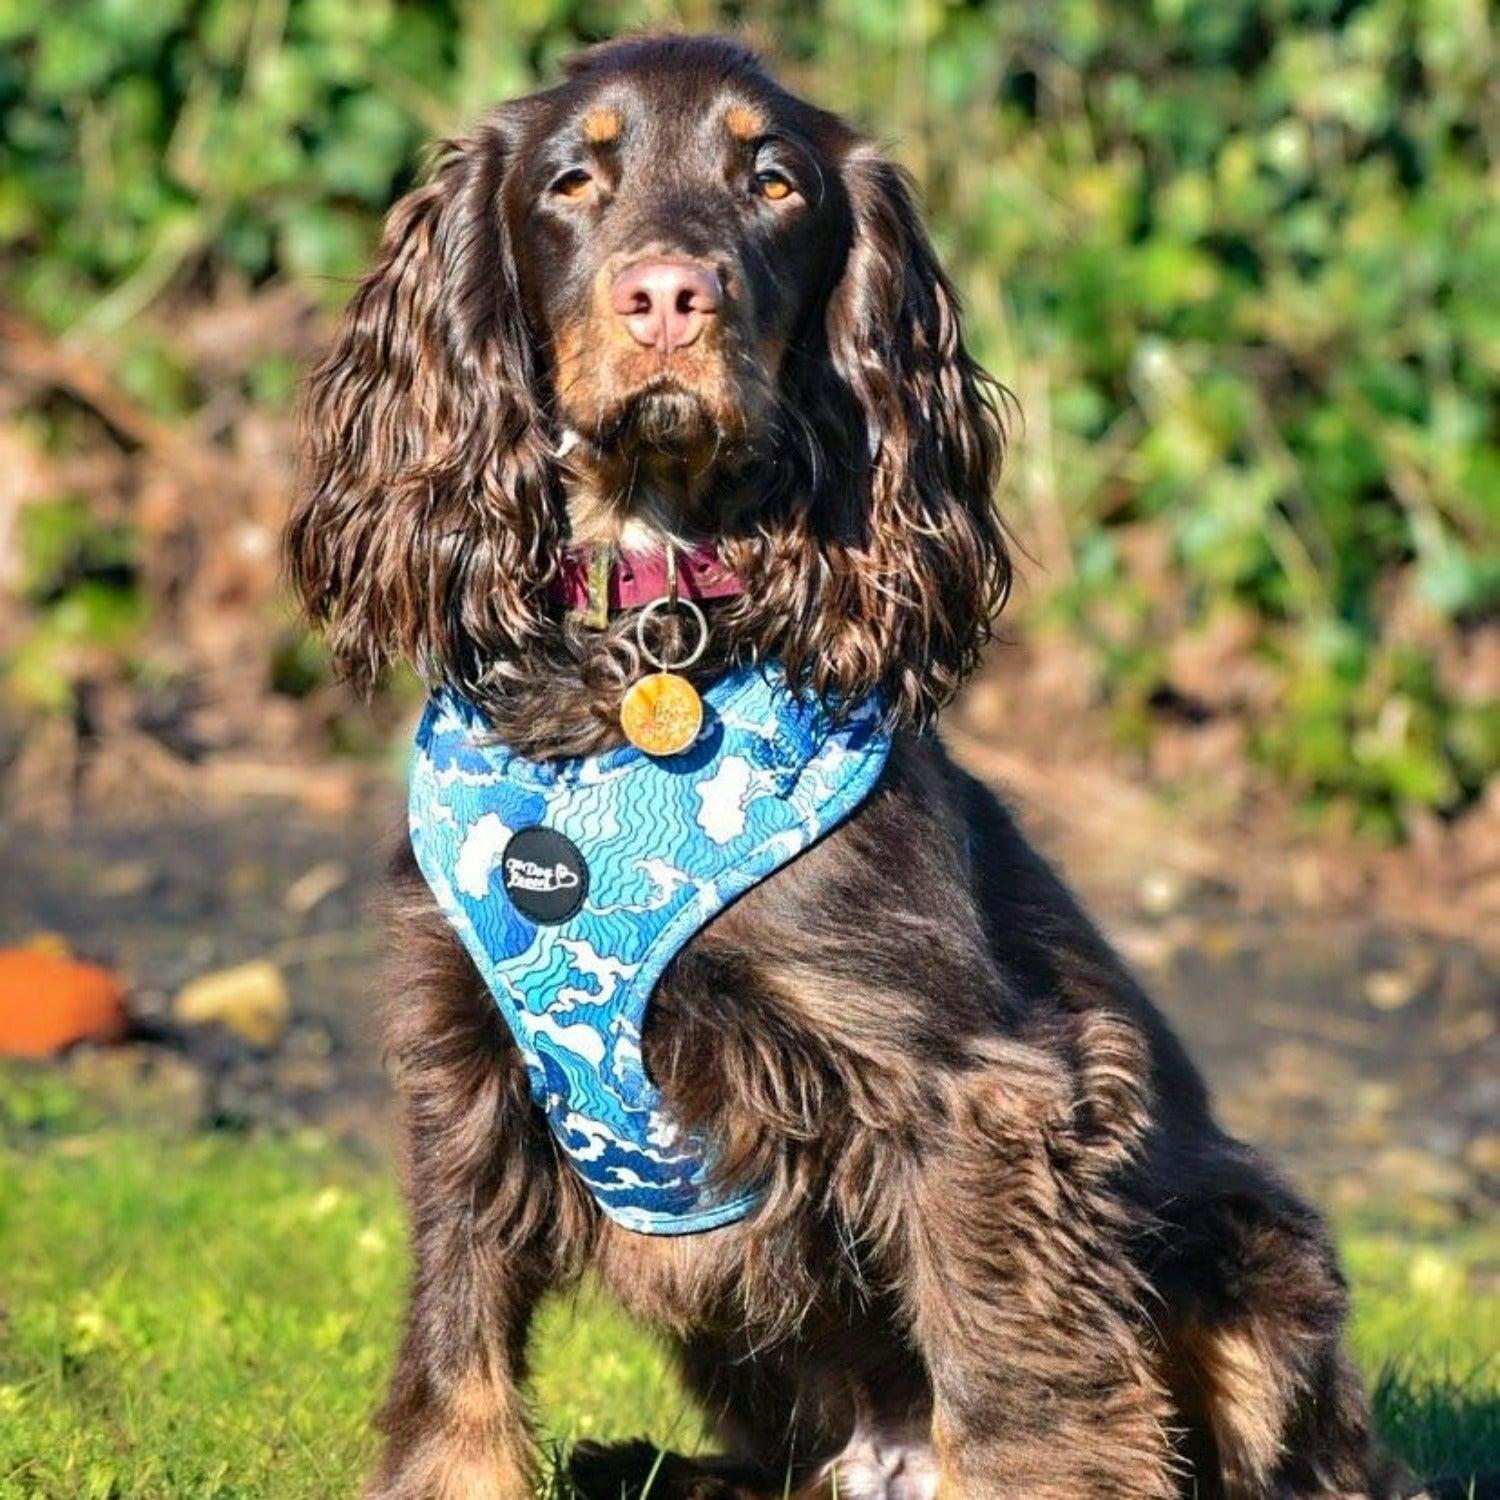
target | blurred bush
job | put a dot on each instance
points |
(1240, 258)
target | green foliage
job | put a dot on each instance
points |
(62, 545)
(215, 1315)
(1240, 258)
(80, 578)
(1253, 247)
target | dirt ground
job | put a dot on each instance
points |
(1362, 1050)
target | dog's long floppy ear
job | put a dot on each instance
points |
(426, 517)
(912, 566)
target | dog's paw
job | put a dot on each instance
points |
(631, 1471)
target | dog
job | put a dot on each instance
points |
(999, 1245)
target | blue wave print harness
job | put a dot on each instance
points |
(573, 883)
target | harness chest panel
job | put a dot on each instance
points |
(572, 884)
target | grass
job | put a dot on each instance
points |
(212, 1317)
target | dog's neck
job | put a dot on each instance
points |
(636, 505)
(636, 533)
(562, 697)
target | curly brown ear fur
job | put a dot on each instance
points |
(891, 574)
(427, 515)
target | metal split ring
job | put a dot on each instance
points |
(673, 603)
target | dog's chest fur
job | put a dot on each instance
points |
(773, 1030)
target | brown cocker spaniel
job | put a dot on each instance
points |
(1003, 1250)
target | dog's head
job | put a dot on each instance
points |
(662, 297)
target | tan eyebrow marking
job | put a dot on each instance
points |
(601, 126)
(744, 122)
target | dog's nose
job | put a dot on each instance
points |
(665, 303)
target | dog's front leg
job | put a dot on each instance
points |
(493, 1224)
(455, 1420)
(1026, 1309)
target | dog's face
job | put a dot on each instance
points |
(673, 226)
(663, 296)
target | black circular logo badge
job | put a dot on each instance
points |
(544, 875)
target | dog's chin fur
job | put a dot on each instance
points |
(664, 418)
(658, 453)
(651, 461)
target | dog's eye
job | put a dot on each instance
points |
(773, 184)
(573, 183)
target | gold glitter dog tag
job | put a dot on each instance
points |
(661, 714)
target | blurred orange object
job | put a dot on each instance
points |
(49, 1001)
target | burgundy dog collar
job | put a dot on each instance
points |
(596, 581)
